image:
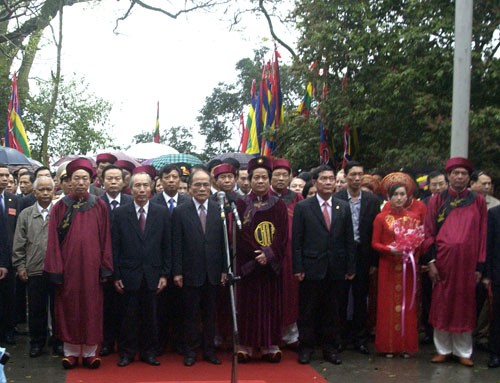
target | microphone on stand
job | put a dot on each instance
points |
(235, 214)
(221, 196)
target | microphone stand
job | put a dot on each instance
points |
(232, 280)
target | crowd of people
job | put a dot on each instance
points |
(118, 258)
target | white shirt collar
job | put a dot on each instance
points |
(145, 207)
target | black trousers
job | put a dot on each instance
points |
(21, 296)
(139, 330)
(426, 303)
(112, 315)
(171, 317)
(319, 314)
(355, 330)
(494, 341)
(8, 302)
(199, 306)
(40, 300)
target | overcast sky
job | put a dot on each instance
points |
(154, 58)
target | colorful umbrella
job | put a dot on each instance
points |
(147, 150)
(178, 158)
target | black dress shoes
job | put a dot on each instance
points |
(494, 361)
(331, 357)
(106, 350)
(362, 349)
(212, 359)
(58, 349)
(35, 351)
(125, 360)
(189, 360)
(305, 356)
(151, 360)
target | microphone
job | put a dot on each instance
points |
(221, 197)
(236, 215)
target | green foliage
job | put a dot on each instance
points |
(79, 121)
(398, 56)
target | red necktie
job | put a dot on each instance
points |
(326, 216)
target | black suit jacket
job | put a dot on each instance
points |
(493, 248)
(315, 250)
(159, 199)
(136, 255)
(27, 201)
(197, 255)
(370, 207)
(125, 199)
(7, 228)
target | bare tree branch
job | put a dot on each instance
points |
(271, 30)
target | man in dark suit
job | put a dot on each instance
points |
(141, 235)
(112, 311)
(364, 208)
(198, 264)
(170, 311)
(323, 252)
(9, 210)
(492, 276)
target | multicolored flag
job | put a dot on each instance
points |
(305, 105)
(156, 137)
(15, 135)
(252, 146)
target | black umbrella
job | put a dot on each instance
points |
(242, 158)
(9, 156)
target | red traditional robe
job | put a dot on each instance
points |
(390, 316)
(76, 265)
(290, 283)
(460, 245)
(259, 293)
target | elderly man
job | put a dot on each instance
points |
(260, 250)
(30, 244)
(480, 182)
(455, 230)
(198, 264)
(79, 259)
(142, 259)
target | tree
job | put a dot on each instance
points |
(397, 59)
(79, 120)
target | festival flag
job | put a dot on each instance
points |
(252, 146)
(262, 108)
(15, 135)
(305, 105)
(347, 145)
(156, 137)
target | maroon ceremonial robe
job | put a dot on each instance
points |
(290, 283)
(76, 266)
(259, 293)
(460, 245)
